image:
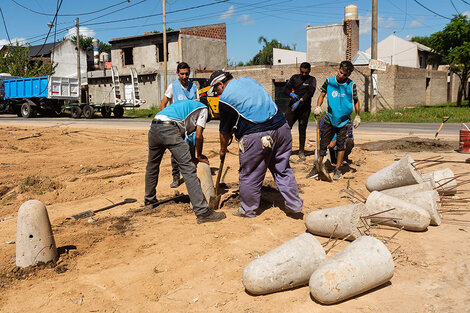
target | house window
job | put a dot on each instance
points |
(160, 52)
(421, 61)
(128, 57)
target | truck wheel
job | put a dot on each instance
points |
(106, 111)
(88, 111)
(27, 110)
(118, 111)
(76, 111)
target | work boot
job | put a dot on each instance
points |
(313, 173)
(337, 174)
(212, 216)
(176, 182)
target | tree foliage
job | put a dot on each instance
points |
(15, 61)
(86, 43)
(424, 40)
(453, 44)
(265, 55)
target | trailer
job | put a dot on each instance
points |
(28, 97)
(88, 110)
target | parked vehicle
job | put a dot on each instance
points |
(28, 97)
(203, 86)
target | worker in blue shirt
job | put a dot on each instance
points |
(342, 99)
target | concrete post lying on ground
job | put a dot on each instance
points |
(287, 266)
(428, 200)
(337, 222)
(205, 176)
(444, 180)
(362, 265)
(34, 240)
(404, 214)
(399, 173)
(410, 189)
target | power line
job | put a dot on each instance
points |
(153, 15)
(431, 10)
(50, 28)
(454, 7)
(75, 14)
(465, 2)
(5, 24)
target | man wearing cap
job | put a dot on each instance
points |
(168, 130)
(180, 89)
(264, 140)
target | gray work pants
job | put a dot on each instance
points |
(167, 136)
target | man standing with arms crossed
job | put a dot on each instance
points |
(300, 88)
(264, 141)
(181, 89)
(342, 98)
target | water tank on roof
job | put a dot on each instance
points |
(350, 13)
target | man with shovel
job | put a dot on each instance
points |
(264, 140)
(342, 98)
(168, 130)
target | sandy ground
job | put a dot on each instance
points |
(127, 259)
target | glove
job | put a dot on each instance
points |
(267, 142)
(294, 96)
(317, 111)
(295, 105)
(357, 121)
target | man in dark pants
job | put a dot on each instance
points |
(300, 88)
(167, 131)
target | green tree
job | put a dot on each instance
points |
(104, 47)
(265, 55)
(453, 44)
(424, 40)
(15, 61)
(86, 43)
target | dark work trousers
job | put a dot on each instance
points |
(301, 114)
(175, 172)
(349, 145)
(167, 136)
(328, 132)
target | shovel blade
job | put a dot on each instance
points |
(81, 215)
(322, 172)
(214, 202)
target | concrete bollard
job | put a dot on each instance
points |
(205, 176)
(362, 265)
(338, 222)
(34, 240)
(410, 189)
(404, 214)
(287, 266)
(399, 173)
(444, 180)
(428, 200)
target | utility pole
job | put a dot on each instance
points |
(165, 69)
(372, 97)
(78, 61)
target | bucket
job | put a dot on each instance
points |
(464, 144)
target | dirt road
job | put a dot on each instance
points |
(128, 259)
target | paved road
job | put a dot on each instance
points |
(138, 123)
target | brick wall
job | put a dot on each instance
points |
(352, 35)
(215, 31)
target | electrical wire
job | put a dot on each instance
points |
(454, 7)
(71, 14)
(50, 28)
(5, 24)
(465, 2)
(431, 10)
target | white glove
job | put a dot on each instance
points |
(317, 111)
(267, 142)
(357, 121)
(241, 145)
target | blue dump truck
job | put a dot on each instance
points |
(46, 95)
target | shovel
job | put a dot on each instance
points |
(215, 201)
(444, 119)
(90, 213)
(322, 172)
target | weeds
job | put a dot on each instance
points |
(38, 185)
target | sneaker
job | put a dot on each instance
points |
(176, 182)
(313, 173)
(302, 155)
(150, 206)
(211, 217)
(337, 174)
(238, 213)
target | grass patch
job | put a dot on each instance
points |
(142, 113)
(422, 114)
(38, 185)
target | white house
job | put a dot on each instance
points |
(284, 56)
(397, 51)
